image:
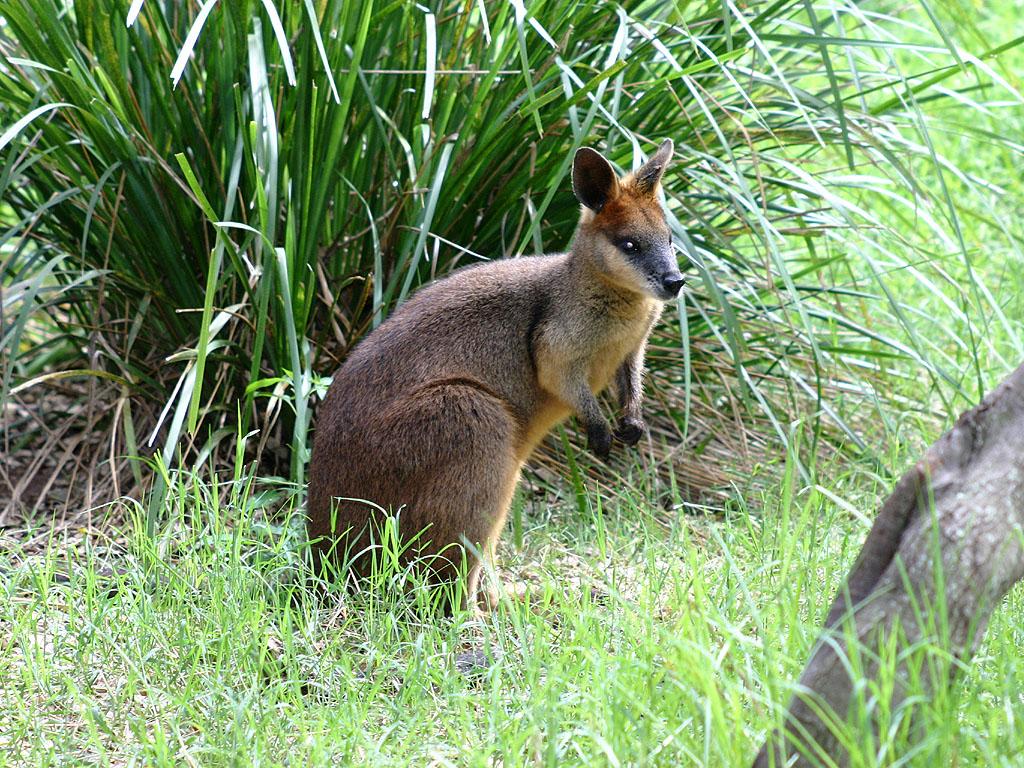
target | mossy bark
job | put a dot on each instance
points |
(944, 549)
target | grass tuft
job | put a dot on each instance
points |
(207, 207)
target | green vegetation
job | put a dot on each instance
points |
(199, 237)
(653, 639)
(182, 262)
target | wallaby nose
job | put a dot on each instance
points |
(672, 283)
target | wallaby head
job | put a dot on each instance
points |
(623, 231)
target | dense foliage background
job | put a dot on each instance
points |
(208, 205)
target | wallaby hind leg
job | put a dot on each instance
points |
(488, 592)
(453, 445)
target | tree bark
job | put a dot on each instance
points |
(963, 501)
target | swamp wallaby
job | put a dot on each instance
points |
(434, 413)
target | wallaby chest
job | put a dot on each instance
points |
(616, 336)
(597, 338)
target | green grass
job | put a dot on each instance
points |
(653, 637)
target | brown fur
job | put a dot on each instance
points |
(434, 413)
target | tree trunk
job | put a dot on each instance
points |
(964, 500)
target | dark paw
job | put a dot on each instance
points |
(629, 431)
(599, 439)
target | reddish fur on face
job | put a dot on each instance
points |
(630, 213)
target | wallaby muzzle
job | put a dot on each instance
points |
(665, 276)
(671, 284)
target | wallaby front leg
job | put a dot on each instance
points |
(629, 383)
(565, 376)
(576, 392)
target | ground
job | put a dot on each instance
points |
(651, 637)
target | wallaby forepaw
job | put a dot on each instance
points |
(629, 431)
(599, 439)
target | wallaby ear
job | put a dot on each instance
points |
(593, 179)
(648, 176)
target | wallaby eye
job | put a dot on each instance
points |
(629, 246)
